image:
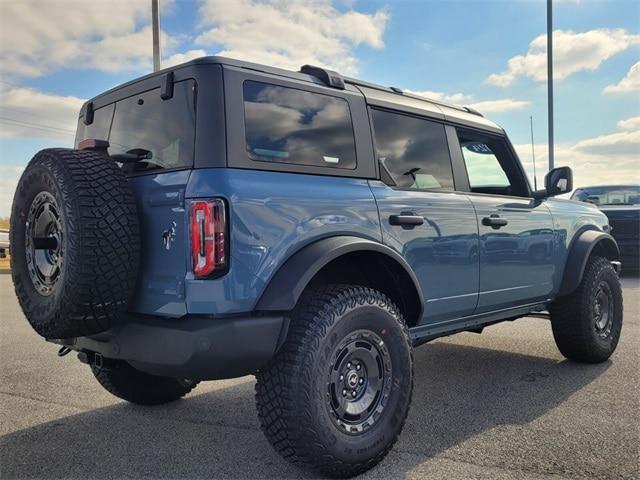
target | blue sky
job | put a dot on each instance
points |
(485, 54)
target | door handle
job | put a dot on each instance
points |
(494, 221)
(406, 220)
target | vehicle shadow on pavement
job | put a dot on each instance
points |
(460, 392)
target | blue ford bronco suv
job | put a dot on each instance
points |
(222, 218)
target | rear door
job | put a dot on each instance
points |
(165, 128)
(421, 215)
(516, 231)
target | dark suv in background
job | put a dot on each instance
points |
(621, 204)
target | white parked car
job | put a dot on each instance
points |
(4, 243)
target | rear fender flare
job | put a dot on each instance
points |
(286, 286)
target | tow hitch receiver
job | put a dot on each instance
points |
(91, 358)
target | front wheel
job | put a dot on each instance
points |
(337, 394)
(587, 323)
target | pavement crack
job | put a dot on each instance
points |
(507, 469)
(40, 400)
(215, 424)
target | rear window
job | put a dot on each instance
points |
(287, 125)
(99, 128)
(165, 128)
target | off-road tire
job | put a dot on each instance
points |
(122, 380)
(573, 317)
(99, 246)
(292, 394)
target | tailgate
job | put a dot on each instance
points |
(164, 237)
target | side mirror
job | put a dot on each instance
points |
(558, 181)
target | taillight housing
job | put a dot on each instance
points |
(209, 251)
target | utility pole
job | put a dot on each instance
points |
(550, 77)
(155, 27)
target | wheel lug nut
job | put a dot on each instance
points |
(349, 365)
(353, 394)
(361, 381)
(358, 367)
(341, 377)
(344, 393)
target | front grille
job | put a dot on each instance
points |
(624, 227)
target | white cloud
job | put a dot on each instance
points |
(483, 106)
(41, 36)
(178, 58)
(614, 144)
(572, 52)
(9, 176)
(457, 98)
(632, 123)
(289, 34)
(605, 159)
(29, 113)
(629, 83)
(500, 105)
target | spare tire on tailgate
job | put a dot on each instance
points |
(75, 243)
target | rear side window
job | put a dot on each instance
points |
(288, 125)
(413, 152)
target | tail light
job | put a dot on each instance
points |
(208, 237)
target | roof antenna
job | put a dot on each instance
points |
(533, 155)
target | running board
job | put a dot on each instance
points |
(425, 333)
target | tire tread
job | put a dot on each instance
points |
(283, 410)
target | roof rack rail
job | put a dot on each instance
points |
(397, 90)
(474, 111)
(328, 77)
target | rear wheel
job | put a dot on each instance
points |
(337, 394)
(587, 323)
(122, 380)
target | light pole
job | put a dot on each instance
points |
(550, 78)
(155, 28)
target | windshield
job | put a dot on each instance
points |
(618, 195)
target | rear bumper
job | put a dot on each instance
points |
(194, 347)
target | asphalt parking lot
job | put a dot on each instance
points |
(504, 404)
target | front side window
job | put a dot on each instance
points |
(413, 152)
(287, 125)
(490, 165)
(164, 128)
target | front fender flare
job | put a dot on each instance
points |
(579, 253)
(286, 286)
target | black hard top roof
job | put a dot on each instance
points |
(451, 111)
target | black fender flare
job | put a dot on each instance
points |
(286, 286)
(578, 255)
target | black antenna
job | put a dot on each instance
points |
(533, 155)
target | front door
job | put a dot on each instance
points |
(516, 231)
(422, 217)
